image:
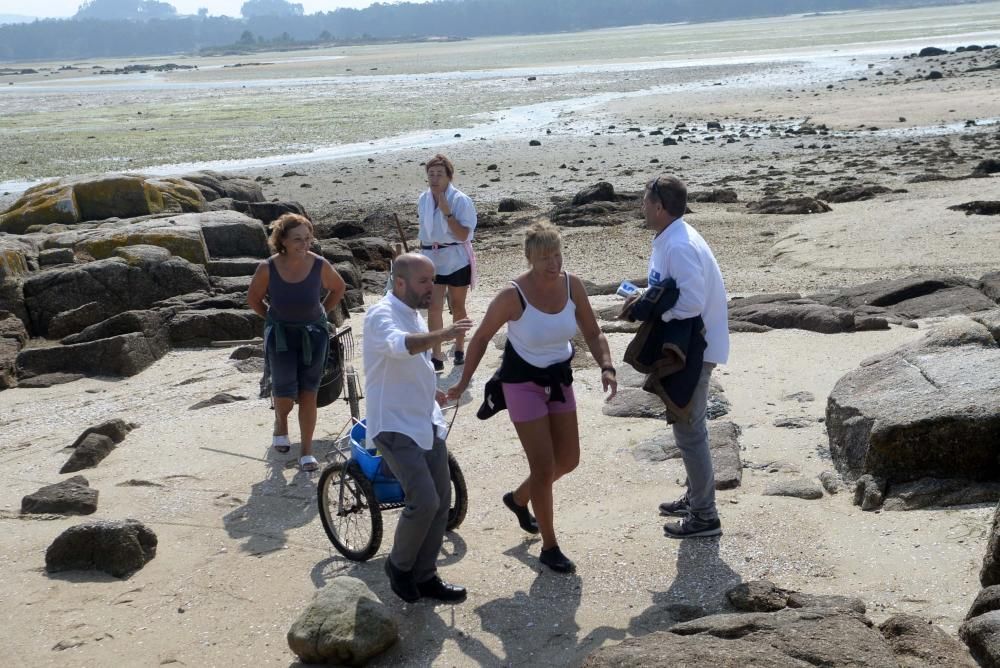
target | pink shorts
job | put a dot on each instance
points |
(530, 401)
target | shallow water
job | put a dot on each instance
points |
(357, 101)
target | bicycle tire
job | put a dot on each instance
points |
(353, 391)
(346, 499)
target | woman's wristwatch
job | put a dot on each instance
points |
(609, 368)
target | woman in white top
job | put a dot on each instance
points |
(447, 226)
(542, 310)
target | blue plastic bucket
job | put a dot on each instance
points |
(387, 487)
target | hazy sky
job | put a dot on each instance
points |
(46, 8)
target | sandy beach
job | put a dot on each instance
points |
(241, 549)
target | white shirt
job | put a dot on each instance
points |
(434, 229)
(680, 253)
(399, 387)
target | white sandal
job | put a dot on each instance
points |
(281, 443)
(308, 463)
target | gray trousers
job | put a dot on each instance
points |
(426, 483)
(692, 440)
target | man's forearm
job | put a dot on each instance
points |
(418, 343)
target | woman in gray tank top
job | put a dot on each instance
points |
(286, 291)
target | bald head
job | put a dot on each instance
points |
(413, 279)
(404, 265)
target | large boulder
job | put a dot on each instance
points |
(49, 203)
(916, 296)
(266, 212)
(214, 185)
(989, 574)
(345, 624)
(788, 637)
(116, 547)
(797, 314)
(918, 642)
(69, 497)
(185, 241)
(989, 284)
(120, 284)
(371, 252)
(931, 408)
(982, 635)
(123, 354)
(76, 200)
(79, 318)
(196, 328)
(602, 191)
(227, 233)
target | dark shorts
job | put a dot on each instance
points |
(289, 375)
(460, 279)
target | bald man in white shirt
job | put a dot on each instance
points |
(681, 254)
(405, 423)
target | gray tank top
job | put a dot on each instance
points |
(295, 302)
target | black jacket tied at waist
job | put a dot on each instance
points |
(671, 354)
(514, 369)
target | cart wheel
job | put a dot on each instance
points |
(353, 393)
(350, 513)
(459, 494)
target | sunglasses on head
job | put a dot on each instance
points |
(654, 189)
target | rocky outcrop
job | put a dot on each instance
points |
(197, 328)
(928, 409)
(795, 314)
(121, 284)
(121, 354)
(915, 296)
(780, 627)
(76, 200)
(215, 185)
(118, 548)
(345, 624)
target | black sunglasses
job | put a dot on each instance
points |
(654, 189)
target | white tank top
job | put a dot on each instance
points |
(543, 339)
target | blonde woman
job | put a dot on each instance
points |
(542, 308)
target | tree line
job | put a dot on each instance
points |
(91, 38)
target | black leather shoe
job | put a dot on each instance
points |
(441, 590)
(402, 583)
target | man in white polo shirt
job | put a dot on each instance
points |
(406, 425)
(681, 254)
